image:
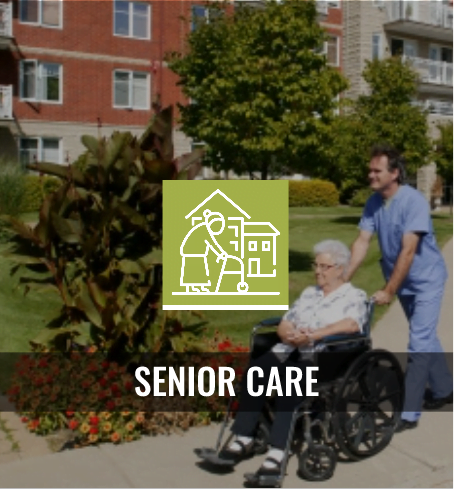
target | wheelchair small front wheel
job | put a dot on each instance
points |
(317, 463)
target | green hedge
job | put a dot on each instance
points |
(35, 189)
(360, 197)
(312, 193)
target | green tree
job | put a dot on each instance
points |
(385, 114)
(262, 94)
(443, 152)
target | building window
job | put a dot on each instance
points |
(131, 90)
(201, 15)
(252, 246)
(132, 19)
(332, 50)
(47, 13)
(40, 82)
(334, 4)
(266, 246)
(32, 150)
(376, 46)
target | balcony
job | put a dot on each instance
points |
(432, 20)
(436, 107)
(434, 75)
(6, 102)
(322, 7)
(6, 23)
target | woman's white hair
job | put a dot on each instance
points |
(336, 249)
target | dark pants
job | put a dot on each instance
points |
(250, 407)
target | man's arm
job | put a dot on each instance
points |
(359, 251)
(404, 260)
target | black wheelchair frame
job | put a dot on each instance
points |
(360, 407)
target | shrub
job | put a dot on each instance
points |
(360, 197)
(12, 188)
(36, 189)
(312, 193)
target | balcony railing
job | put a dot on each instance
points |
(439, 14)
(438, 107)
(430, 71)
(6, 19)
(6, 102)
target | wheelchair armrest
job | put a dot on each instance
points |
(338, 338)
(270, 321)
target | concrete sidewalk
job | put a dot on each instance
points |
(418, 458)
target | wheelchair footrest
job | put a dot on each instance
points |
(211, 456)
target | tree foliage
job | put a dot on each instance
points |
(263, 96)
(385, 114)
(443, 152)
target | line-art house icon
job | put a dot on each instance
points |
(248, 250)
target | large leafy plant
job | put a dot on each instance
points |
(97, 244)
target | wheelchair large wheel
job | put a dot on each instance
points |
(368, 404)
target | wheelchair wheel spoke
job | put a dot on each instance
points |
(382, 415)
(360, 434)
(388, 396)
(350, 423)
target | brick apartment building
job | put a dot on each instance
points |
(420, 31)
(74, 67)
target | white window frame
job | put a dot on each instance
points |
(131, 74)
(334, 4)
(40, 22)
(325, 50)
(252, 246)
(130, 21)
(379, 36)
(39, 150)
(38, 82)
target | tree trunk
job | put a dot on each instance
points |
(264, 170)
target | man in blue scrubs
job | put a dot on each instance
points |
(414, 269)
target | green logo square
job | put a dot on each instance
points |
(225, 245)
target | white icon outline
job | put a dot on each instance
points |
(201, 288)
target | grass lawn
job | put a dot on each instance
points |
(22, 317)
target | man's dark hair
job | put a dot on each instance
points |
(395, 160)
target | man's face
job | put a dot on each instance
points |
(380, 178)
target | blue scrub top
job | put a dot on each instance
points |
(407, 212)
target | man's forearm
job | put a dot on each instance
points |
(359, 252)
(400, 271)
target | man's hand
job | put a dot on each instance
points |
(382, 297)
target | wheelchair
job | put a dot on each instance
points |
(359, 402)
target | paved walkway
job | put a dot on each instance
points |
(419, 458)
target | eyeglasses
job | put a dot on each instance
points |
(322, 266)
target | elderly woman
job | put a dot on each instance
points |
(331, 307)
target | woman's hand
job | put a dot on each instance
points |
(300, 338)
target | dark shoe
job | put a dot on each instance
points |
(433, 404)
(403, 425)
(226, 457)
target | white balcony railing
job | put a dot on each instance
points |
(6, 102)
(437, 107)
(6, 19)
(430, 71)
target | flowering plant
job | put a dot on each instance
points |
(94, 399)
